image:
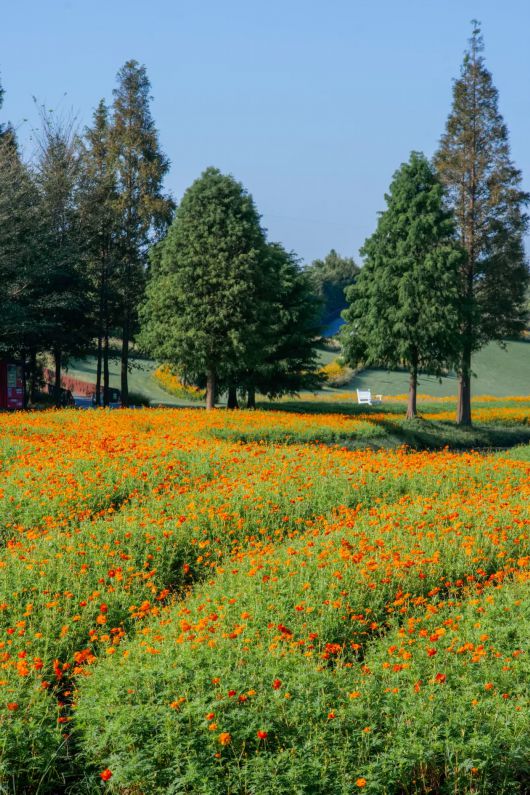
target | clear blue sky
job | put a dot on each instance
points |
(312, 104)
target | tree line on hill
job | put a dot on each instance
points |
(91, 247)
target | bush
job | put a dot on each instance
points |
(172, 383)
(337, 374)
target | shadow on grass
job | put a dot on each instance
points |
(422, 434)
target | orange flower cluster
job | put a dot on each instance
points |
(140, 546)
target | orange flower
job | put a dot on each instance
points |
(361, 782)
(12, 706)
(225, 738)
(440, 678)
(106, 774)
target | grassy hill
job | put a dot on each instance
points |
(499, 372)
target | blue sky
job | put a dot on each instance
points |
(311, 104)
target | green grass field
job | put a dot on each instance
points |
(499, 372)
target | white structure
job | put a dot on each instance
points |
(365, 396)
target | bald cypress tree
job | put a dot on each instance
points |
(99, 220)
(144, 211)
(484, 190)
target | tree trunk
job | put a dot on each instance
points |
(98, 369)
(25, 369)
(57, 385)
(232, 402)
(463, 409)
(413, 390)
(125, 361)
(251, 397)
(210, 390)
(106, 376)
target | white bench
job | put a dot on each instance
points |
(365, 396)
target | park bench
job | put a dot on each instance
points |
(365, 396)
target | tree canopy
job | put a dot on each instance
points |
(202, 299)
(484, 190)
(404, 307)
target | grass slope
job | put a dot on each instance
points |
(499, 372)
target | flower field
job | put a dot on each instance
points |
(237, 602)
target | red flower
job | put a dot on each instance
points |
(262, 735)
(277, 684)
(106, 774)
(440, 678)
(431, 652)
(231, 693)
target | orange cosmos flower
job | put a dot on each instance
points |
(225, 738)
(361, 782)
(106, 774)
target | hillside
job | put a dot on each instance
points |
(499, 372)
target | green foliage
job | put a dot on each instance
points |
(202, 309)
(330, 277)
(290, 327)
(484, 189)
(20, 252)
(405, 303)
(65, 301)
(313, 641)
(142, 210)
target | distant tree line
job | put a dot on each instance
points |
(91, 248)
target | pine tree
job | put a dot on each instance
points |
(99, 222)
(484, 189)
(202, 308)
(143, 210)
(404, 306)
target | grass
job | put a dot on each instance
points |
(499, 372)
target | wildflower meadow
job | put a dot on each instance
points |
(223, 602)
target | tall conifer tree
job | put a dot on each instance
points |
(66, 310)
(404, 304)
(484, 189)
(202, 310)
(99, 221)
(144, 211)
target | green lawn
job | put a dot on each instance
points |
(499, 372)
(141, 379)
